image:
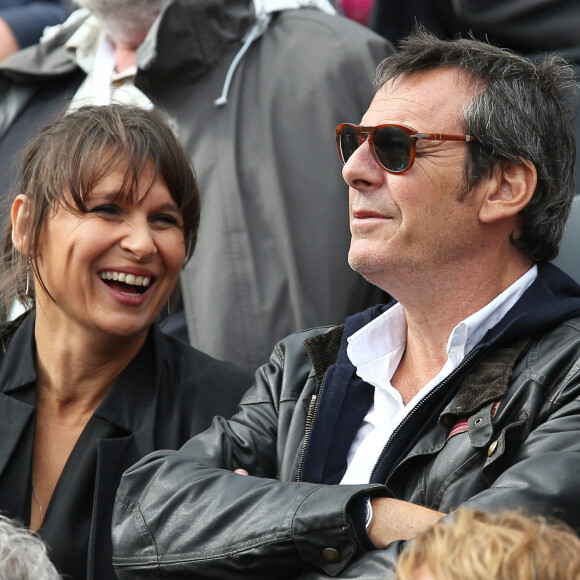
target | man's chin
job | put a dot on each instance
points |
(366, 262)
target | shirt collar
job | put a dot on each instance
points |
(84, 42)
(378, 338)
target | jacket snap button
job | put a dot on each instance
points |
(331, 555)
(492, 448)
(478, 422)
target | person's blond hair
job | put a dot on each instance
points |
(475, 545)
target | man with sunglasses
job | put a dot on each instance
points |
(464, 391)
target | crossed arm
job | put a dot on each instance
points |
(205, 522)
(188, 512)
(393, 519)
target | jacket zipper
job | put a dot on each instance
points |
(312, 408)
(423, 401)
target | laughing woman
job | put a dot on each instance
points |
(104, 218)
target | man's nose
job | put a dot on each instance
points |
(362, 171)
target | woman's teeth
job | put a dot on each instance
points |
(125, 278)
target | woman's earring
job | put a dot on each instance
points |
(28, 268)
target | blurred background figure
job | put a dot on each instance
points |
(254, 89)
(23, 21)
(475, 545)
(358, 10)
(104, 218)
(524, 26)
(22, 555)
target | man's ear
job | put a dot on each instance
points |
(508, 191)
(20, 215)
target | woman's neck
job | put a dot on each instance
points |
(76, 369)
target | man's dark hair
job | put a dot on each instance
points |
(521, 110)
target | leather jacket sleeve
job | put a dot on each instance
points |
(186, 513)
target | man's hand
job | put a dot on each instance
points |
(241, 471)
(394, 519)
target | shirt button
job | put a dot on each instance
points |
(331, 555)
(492, 448)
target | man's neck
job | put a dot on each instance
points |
(125, 56)
(125, 46)
(438, 298)
(433, 314)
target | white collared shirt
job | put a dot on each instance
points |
(93, 53)
(376, 351)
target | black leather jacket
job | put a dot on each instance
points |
(509, 437)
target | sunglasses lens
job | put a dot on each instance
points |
(348, 142)
(393, 148)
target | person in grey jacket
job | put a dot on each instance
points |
(254, 89)
(465, 391)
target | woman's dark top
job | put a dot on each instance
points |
(168, 393)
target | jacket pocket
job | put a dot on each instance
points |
(498, 451)
(473, 457)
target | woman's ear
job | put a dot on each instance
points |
(510, 191)
(20, 215)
